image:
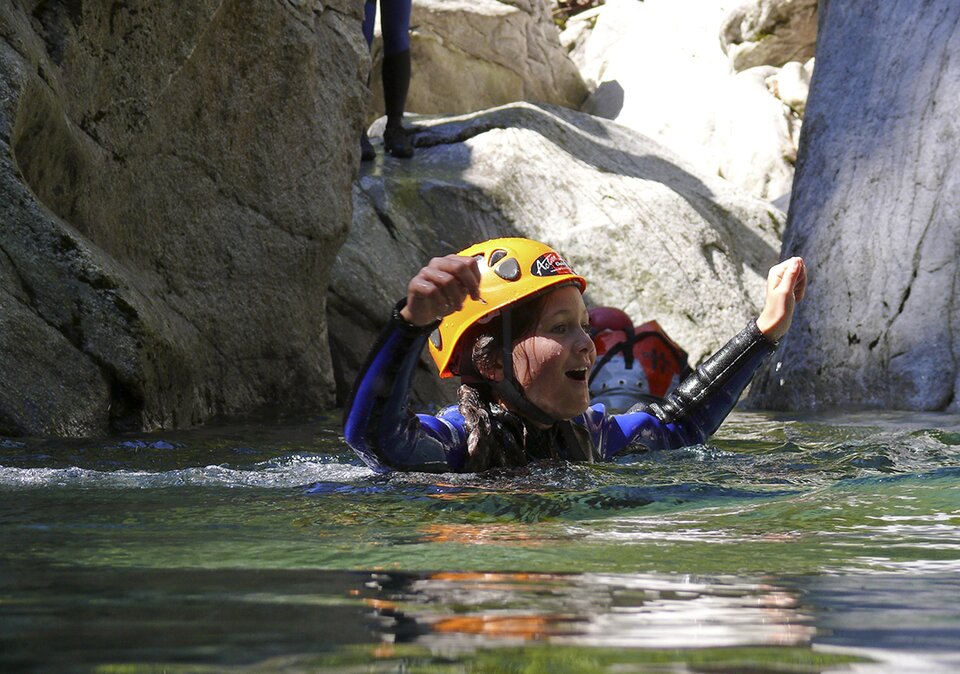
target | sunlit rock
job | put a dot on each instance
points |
(657, 67)
(755, 134)
(651, 234)
(791, 84)
(476, 54)
(770, 33)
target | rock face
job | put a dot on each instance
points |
(874, 211)
(174, 189)
(770, 32)
(476, 54)
(651, 235)
(657, 67)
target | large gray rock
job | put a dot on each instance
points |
(653, 236)
(475, 54)
(875, 208)
(770, 33)
(174, 187)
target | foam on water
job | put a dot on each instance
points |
(279, 473)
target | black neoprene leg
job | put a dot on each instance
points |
(396, 83)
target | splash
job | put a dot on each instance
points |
(280, 473)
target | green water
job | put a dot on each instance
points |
(815, 545)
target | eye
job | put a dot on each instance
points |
(560, 328)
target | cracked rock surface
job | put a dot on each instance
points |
(876, 202)
(174, 189)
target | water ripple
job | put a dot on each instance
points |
(280, 473)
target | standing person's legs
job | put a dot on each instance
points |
(395, 26)
(369, 16)
(367, 152)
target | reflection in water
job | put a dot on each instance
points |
(773, 544)
(479, 534)
(457, 611)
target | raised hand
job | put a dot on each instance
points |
(786, 283)
(441, 288)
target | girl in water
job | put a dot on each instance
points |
(507, 317)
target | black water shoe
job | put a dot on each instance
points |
(397, 142)
(367, 153)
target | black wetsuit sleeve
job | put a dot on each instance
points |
(707, 396)
(377, 423)
(693, 411)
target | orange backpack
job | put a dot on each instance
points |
(634, 363)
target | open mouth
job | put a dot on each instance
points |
(580, 374)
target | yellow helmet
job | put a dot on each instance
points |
(511, 270)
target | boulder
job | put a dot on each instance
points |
(667, 101)
(755, 135)
(474, 55)
(874, 211)
(175, 187)
(684, 94)
(652, 235)
(576, 31)
(791, 84)
(770, 33)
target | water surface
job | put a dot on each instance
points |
(799, 545)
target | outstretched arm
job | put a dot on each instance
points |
(697, 407)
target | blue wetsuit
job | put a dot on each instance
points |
(386, 435)
(394, 24)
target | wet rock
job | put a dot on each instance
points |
(651, 234)
(175, 186)
(874, 211)
(50, 386)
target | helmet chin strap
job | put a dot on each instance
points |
(509, 388)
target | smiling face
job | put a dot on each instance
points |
(553, 362)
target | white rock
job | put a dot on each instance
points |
(756, 134)
(657, 67)
(578, 29)
(791, 84)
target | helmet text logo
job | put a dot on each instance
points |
(550, 264)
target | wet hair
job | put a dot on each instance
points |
(484, 343)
